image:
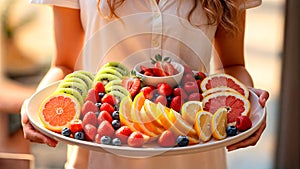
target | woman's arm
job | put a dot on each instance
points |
(69, 36)
(230, 49)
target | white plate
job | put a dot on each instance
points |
(257, 115)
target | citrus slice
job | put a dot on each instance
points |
(217, 89)
(235, 103)
(189, 110)
(180, 124)
(203, 125)
(224, 80)
(137, 105)
(125, 112)
(219, 123)
(58, 110)
(153, 114)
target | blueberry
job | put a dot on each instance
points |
(116, 142)
(169, 98)
(101, 95)
(98, 105)
(231, 130)
(97, 113)
(115, 115)
(66, 132)
(116, 124)
(105, 140)
(116, 107)
(79, 135)
(182, 141)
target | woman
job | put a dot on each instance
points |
(91, 33)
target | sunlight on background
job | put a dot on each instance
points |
(264, 37)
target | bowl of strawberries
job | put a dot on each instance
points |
(158, 70)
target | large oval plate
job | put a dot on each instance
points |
(257, 115)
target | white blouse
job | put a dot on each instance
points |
(146, 28)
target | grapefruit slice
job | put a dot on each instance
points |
(58, 110)
(189, 110)
(235, 103)
(217, 89)
(224, 80)
(219, 123)
(203, 125)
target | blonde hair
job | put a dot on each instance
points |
(218, 12)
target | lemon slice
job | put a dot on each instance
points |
(202, 125)
(189, 110)
(219, 123)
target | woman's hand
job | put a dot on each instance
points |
(253, 139)
(30, 133)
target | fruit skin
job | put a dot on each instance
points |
(88, 106)
(90, 132)
(123, 133)
(99, 88)
(243, 123)
(136, 139)
(105, 129)
(187, 70)
(180, 92)
(107, 107)
(115, 115)
(187, 78)
(182, 141)
(104, 116)
(176, 103)
(105, 140)
(167, 139)
(90, 118)
(116, 142)
(76, 126)
(195, 96)
(109, 98)
(191, 87)
(231, 130)
(91, 96)
(161, 99)
(116, 124)
(148, 92)
(164, 89)
(200, 76)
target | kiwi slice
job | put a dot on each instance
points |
(105, 78)
(118, 88)
(118, 95)
(113, 82)
(110, 70)
(121, 68)
(74, 85)
(85, 78)
(76, 80)
(86, 73)
(72, 92)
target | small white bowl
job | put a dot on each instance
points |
(173, 80)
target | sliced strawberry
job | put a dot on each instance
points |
(164, 89)
(159, 72)
(123, 133)
(136, 139)
(132, 84)
(169, 68)
(90, 118)
(167, 139)
(90, 132)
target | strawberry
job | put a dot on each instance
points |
(178, 91)
(176, 103)
(148, 73)
(90, 132)
(195, 96)
(104, 115)
(91, 96)
(123, 133)
(109, 98)
(167, 139)
(187, 70)
(88, 106)
(243, 123)
(148, 92)
(105, 129)
(136, 139)
(75, 126)
(191, 87)
(90, 118)
(158, 71)
(164, 89)
(99, 88)
(107, 107)
(161, 99)
(132, 84)
(187, 78)
(200, 76)
(163, 66)
(169, 68)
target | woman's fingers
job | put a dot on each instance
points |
(263, 96)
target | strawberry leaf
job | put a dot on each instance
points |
(158, 57)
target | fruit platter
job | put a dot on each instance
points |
(116, 110)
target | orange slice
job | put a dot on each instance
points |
(219, 123)
(224, 80)
(125, 112)
(203, 125)
(189, 110)
(58, 110)
(235, 103)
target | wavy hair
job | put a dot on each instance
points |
(218, 12)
